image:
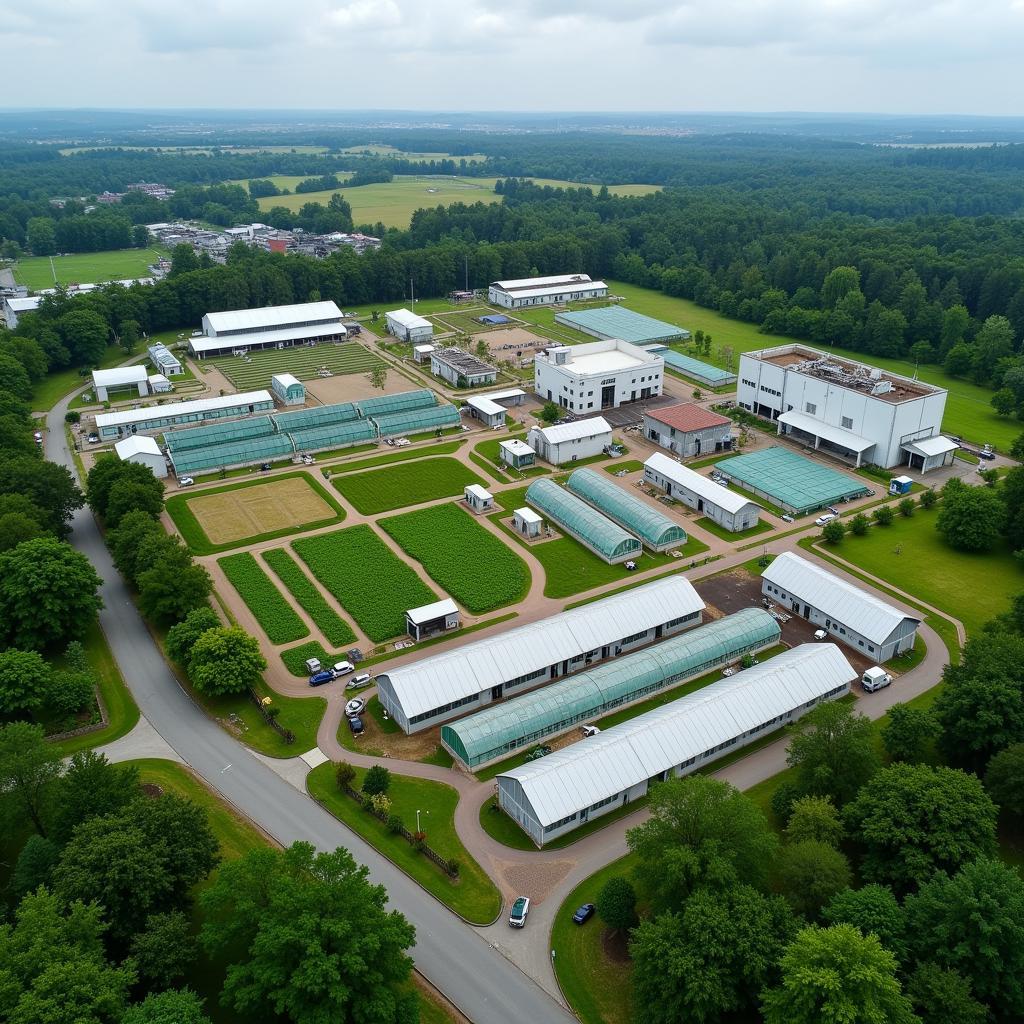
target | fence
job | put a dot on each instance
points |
(270, 717)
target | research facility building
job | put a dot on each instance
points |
(238, 331)
(569, 442)
(597, 375)
(730, 510)
(688, 429)
(408, 326)
(545, 291)
(111, 425)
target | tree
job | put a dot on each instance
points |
(993, 343)
(909, 733)
(130, 332)
(344, 773)
(814, 817)
(942, 996)
(48, 486)
(809, 873)
(181, 638)
(378, 377)
(91, 787)
(616, 904)
(907, 507)
(1004, 402)
(85, 334)
(970, 518)
(549, 412)
(136, 535)
(911, 820)
(928, 498)
(108, 473)
(700, 832)
(1004, 780)
(377, 780)
(128, 496)
(175, 1006)
(836, 974)
(69, 693)
(352, 953)
(875, 911)
(164, 950)
(225, 660)
(24, 679)
(883, 515)
(28, 767)
(41, 237)
(832, 749)
(973, 923)
(173, 585)
(49, 593)
(708, 961)
(834, 532)
(34, 866)
(859, 524)
(15, 377)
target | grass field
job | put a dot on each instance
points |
(256, 369)
(416, 158)
(369, 581)
(402, 455)
(56, 385)
(275, 615)
(35, 272)
(382, 490)
(467, 561)
(336, 630)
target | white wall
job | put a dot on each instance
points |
(582, 393)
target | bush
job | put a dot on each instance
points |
(616, 904)
(859, 524)
(883, 515)
(394, 824)
(907, 507)
(344, 773)
(834, 532)
(381, 804)
(929, 498)
(376, 781)
(72, 416)
(74, 657)
(70, 692)
(452, 867)
(783, 798)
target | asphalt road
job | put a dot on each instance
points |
(485, 986)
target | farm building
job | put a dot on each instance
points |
(688, 429)
(655, 530)
(797, 484)
(852, 615)
(478, 498)
(460, 368)
(164, 360)
(288, 389)
(245, 330)
(856, 412)
(159, 384)
(421, 353)
(505, 728)
(111, 425)
(730, 510)
(527, 522)
(408, 326)
(436, 689)
(597, 776)
(145, 451)
(593, 530)
(384, 405)
(417, 421)
(132, 380)
(617, 322)
(485, 409)
(570, 442)
(516, 453)
(697, 370)
(545, 291)
(16, 306)
(597, 375)
(439, 617)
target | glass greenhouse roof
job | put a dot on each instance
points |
(332, 435)
(384, 404)
(302, 419)
(232, 453)
(412, 420)
(218, 433)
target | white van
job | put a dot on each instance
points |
(875, 678)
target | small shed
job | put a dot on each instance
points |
(144, 450)
(900, 485)
(517, 453)
(288, 389)
(487, 410)
(479, 499)
(159, 384)
(527, 522)
(421, 353)
(439, 617)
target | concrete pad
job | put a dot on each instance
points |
(142, 741)
(292, 769)
(314, 758)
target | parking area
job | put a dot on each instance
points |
(632, 412)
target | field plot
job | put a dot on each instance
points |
(274, 614)
(256, 370)
(369, 581)
(328, 621)
(382, 490)
(476, 568)
(85, 267)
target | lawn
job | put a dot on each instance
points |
(334, 628)
(474, 567)
(398, 486)
(54, 386)
(256, 369)
(84, 267)
(402, 455)
(473, 895)
(369, 581)
(710, 526)
(275, 615)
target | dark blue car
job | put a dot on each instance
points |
(320, 678)
(584, 914)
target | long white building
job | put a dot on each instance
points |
(591, 778)
(408, 326)
(570, 442)
(856, 411)
(438, 688)
(112, 425)
(545, 291)
(597, 375)
(245, 330)
(730, 510)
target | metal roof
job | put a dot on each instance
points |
(408, 319)
(574, 431)
(160, 412)
(704, 488)
(485, 405)
(861, 611)
(476, 667)
(137, 444)
(401, 401)
(617, 322)
(318, 416)
(428, 612)
(687, 416)
(587, 772)
(515, 446)
(189, 438)
(527, 515)
(931, 446)
(285, 380)
(119, 375)
(219, 343)
(829, 431)
(580, 519)
(272, 316)
(478, 492)
(538, 282)
(409, 421)
(696, 368)
(497, 396)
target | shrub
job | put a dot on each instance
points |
(381, 804)
(70, 692)
(883, 515)
(72, 416)
(834, 532)
(377, 780)
(907, 506)
(452, 867)
(859, 524)
(344, 773)
(394, 824)
(929, 498)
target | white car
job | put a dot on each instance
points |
(589, 730)
(186, 481)
(355, 707)
(517, 915)
(363, 679)
(820, 634)
(875, 678)
(342, 668)
(824, 520)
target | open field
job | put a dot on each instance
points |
(473, 566)
(256, 369)
(416, 158)
(84, 267)
(275, 615)
(369, 581)
(382, 490)
(328, 621)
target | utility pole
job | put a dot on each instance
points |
(412, 294)
(467, 272)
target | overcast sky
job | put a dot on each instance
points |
(900, 56)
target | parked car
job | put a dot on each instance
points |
(875, 678)
(787, 518)
(541, 751)
(825, 519)
(186, 481)
(308, 460)
(342, 668)
(820, 634)
(363, 679)
(313, 666)
(355, 707)
(356, 725)
(402, 442)
(517, 915)
(320, 678)
(265, 466)
(584, 914)
(834, 511)
(589, 730)
(93, 439)
(986, 454)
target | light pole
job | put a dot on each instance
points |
(417, 822)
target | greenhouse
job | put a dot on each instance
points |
(696, 369)
(303, 419)
(502, 729)
(416, 420)
(218, 433)
(653, 527)
(333, 435)
(242, 452)
(384, 405)
(593, 530)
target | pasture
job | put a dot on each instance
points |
(382, 490)
(35, 272)
(256, 369)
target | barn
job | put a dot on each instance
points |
(246, 330)
(406, 325)
(730, 510)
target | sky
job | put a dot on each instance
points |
(886, 56)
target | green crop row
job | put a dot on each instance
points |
(369, 581)
(382, 490)
(279, 620)
(476, 568)
(328, 621)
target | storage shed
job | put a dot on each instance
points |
(159, 384)
(461, 368)
(730, 510)
(288, 389)
(439, 617)
(485, 409)
(164, 360)
(421, 353)
(569, 442)
(145, 451)
(127, 380)
(527, 522)
(688, 429)
(479, 499)
(516, 453)
(407, 326)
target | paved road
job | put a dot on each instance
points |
(483, 984)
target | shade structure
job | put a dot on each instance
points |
(413, 421)
(234, 453)
(700, 371)
(386, 404)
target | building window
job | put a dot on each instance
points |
(810, 408)
(847, 423)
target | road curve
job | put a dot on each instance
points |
(479, 980)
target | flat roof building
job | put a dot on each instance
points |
(408, 326)
(516, 453)
(598, 375)
(570, 442)
(545, 291)
(429, 619)
(112, 425)
(618, 322)
(688, 429)
(144, 451)
(730, 510)
(164, 360)
(245, 330)
(132, 379)
(461, 368)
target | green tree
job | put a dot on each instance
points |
(955, 322)
(225, 660)
(941, 996)
(181, 638)
(928, 498)
(24, 679)
(128, 496)
(1004, 780)
(839, 283)
(41, 236)
(91, 787)
(1003, 402)
(48, 486)
(164, 950)
(700, 832)
(911, 820)
(34, 866)
(616, 904)
(351, 963)
(550, 412)
(378, 377)
(907, 506)
(883, 515)
(130, 332)
(909, 733)
(814, 818)
(28, 767)
(834, 532)
(859, 524)
(128, 541)
(377, 780)
(85, 335)
(15, 377)
(70, 692)
(970, 518)
(175, 1006)
(809, 873)
(875, 911)
(344, 774)
(837, 974)
(108, 472)
(173, 585)
(993, 343)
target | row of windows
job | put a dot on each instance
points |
(748, 383)
(829, 624)
(771, 391)
(559, 824)
(602, 803)
(528, 677)
(682, 618)
(472, 698)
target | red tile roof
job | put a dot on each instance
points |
(687, 417)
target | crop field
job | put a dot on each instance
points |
(256, 369)
(475, 568)
(369, 581)
(327, 620)
(85, 267)
(382, 490)
(235, 513)
(274, 614)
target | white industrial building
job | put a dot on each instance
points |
(597, 375)
(18, 306)
(857, 412)
(461, 368)
(145, 451)
(730, 510)
(438, 688)
(853, 616)
(421, 353)
(288, 389)
(247, 330)
(164, 360)
(159, 384)
(492, 408)
(406, 325)
(569, 442)
(688, 429)
(111, 425)
(545, 291)
(131, 379)
(596, 776)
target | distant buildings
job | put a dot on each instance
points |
(545, 291)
